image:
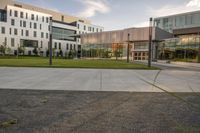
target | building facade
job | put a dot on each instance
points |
(27, 28)
(113, 44)
(185, 45)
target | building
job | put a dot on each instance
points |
(185, 45)
(113, 44)
(27, 28)
(175, 37)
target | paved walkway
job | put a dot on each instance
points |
(99, 80)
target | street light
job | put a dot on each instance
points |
(150, 41)
(198, 48)
(128, 51)
(50, 42)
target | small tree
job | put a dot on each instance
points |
(3, 49)
(21, 50)
(35, 51)
(8, 50)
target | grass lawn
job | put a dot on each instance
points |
(63, 63)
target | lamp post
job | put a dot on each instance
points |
(199, 49)
(128, 47)
(150, 41)
(50, 42)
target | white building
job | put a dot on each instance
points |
(27, 26)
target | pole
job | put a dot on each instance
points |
(150, 41)
(128, 51)
(199, 50)
(50, 43)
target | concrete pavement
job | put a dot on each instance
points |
(99, 80)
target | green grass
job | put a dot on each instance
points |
(63, 63)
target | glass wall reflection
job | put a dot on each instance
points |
(109, 51)
(185, 47)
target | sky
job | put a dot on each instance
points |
(118, 14)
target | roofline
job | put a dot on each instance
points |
(190, 12)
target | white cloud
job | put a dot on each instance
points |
(166, 10)
(193, 3)
(94, 6)
(142, 24)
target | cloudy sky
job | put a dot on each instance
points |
(118, 14)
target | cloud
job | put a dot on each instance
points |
(94, 6)
(142, 24)
(193, 3)
(166, 10)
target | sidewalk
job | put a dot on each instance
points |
(187, 64)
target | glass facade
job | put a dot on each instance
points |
(185, 47)
(63, 34)
(118, 50)
(29, 43)
(178, 21)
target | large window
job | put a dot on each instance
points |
(63, 34)
(29, 43)
(3, 16)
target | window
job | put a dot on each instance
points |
(20, 23)
(78, 26)
(32, 16)
(37, 17)
(12, 22)
(59, 45)
(30, 24)
(47, 19)
(15, 31)
(27, 33)
(70, 46)
(84, 27)
(42, 18)
(97, 30)
(42, 34)
(21, 14)
(16, 13)
(24, 23)
(35, 25)
(22, 32)
(41, 44)
(47, 35)
(74, 47)
(189, 19)
(67, 46)
(12, 42)
(3, 30)
(93, 29)
(40, 26)
(55, 45)
(34, 34)
(62, 18)
(26, 15)
(10, 31)
(10, 12)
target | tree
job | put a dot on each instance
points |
(21, 50)
(8, 50)
(35, 51)
(3, 49)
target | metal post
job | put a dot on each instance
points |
(128, 51)
(199, 50)
(50, 43)
(150, 41)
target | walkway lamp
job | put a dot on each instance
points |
(50, 42)
(199, 49)
(128, 47)
(150, 41)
